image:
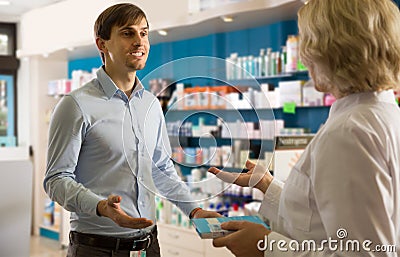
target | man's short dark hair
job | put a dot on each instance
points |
(117, 15)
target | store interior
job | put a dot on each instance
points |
(235, 63)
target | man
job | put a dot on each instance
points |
(106, 150)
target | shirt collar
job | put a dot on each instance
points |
(347, 102)
(109, 87)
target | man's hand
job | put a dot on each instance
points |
(243, 242)
(206, 214)
(111, 208)
(258, 176)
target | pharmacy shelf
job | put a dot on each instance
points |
(206, 166)
(277, 76)
(273, 80)
(222, 139)
(217, 111)
(50, 228)
(303, 116)
(49, 232)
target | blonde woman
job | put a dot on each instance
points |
(342, 198)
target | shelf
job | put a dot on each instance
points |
(244, 110)
(222, 138)
(50, 228)
(277, 76)
(195, 165)
(49, 232)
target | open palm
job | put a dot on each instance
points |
(257, 176)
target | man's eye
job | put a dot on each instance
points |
(127, 34)
(144, 33)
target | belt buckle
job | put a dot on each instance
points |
(148, 238)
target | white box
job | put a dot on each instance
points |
(291, 92)
(311, 97)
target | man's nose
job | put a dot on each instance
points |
(137, 40)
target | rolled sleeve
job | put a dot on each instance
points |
(270, 204)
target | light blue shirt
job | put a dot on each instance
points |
(102, 143)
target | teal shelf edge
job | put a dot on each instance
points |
(224, 138)
(44, 232)
(194, 165)
(244, 110)
(277, 76)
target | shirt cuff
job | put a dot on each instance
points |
(186, 207)
(270, 204)
(89, 203)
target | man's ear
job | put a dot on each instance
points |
(101, 45)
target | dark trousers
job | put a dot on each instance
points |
(80, 250)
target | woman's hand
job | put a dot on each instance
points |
(206, 214)
(243, 242)
(258, 176)
(111, 208)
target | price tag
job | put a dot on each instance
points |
(289, 108)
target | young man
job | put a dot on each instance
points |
(106, 154)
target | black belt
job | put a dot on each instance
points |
(114, 243)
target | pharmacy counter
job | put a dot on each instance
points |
(15, 207)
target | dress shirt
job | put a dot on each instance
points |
(347, 178)
(102, 143)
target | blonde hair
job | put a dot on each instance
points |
(351, 46)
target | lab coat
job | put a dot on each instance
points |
(344, 187)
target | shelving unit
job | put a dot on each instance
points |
(311, 117)
(42, 105)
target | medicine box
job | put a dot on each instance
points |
(211, 227)
(291, 92)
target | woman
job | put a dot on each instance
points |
(346, 185)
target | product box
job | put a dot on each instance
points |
(218, 99)
(211, 227)
(291, 92)
(196, 98)
(311, 97)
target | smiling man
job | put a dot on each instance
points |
(106, 153)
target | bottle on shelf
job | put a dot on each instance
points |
(268, 57)
(236, 210)
(292, 53)
(261, 60)
(283, 59)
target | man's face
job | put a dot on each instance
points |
(128, 47)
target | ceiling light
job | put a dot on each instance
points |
(227, 18)
(5, 2)
(162, 32)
